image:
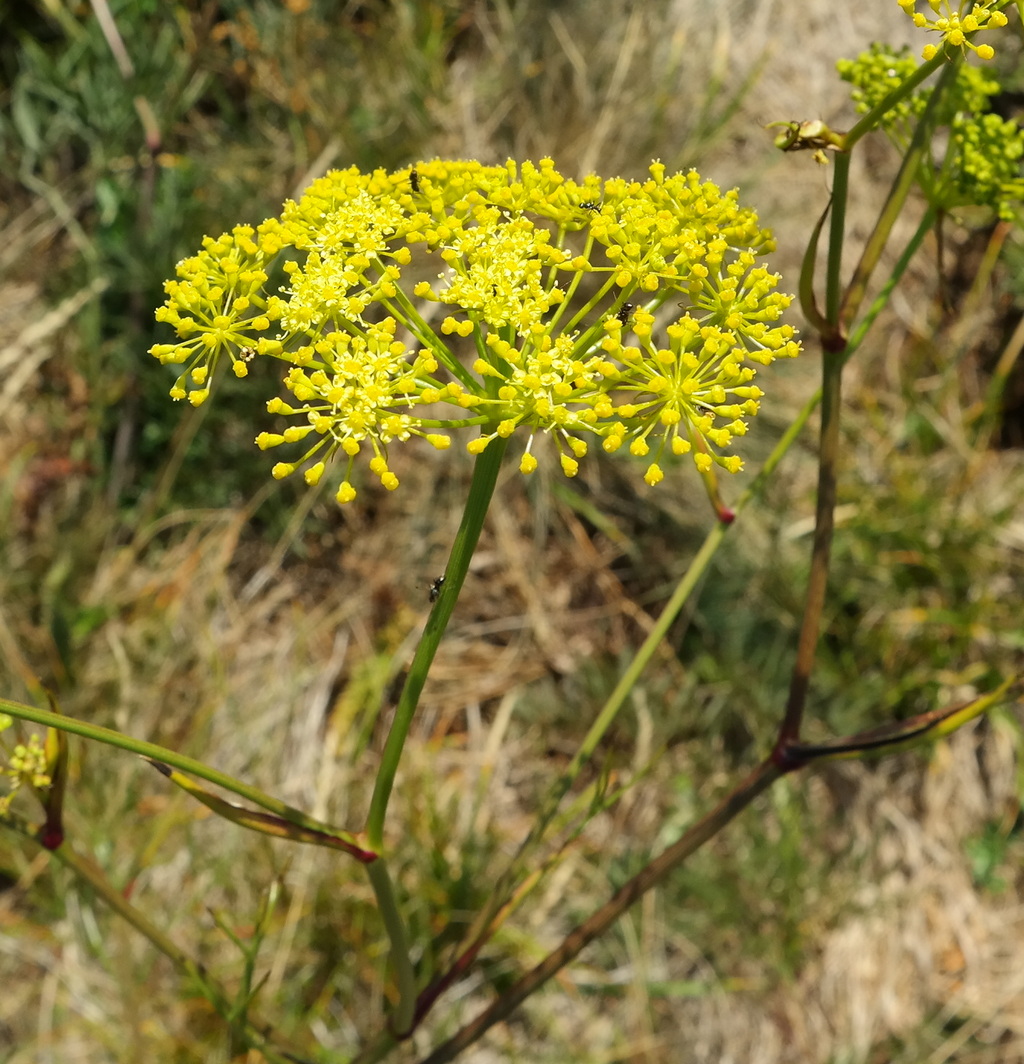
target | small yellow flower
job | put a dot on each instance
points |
(956, 25)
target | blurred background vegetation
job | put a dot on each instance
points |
(155, 578)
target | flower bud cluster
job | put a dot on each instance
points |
(981, 158)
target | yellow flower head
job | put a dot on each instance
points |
(548, 292)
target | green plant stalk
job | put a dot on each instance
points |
(168, 757)
(257, 1034)
(837, 233)
(684, 589)
(824, 521)
(485, 476)
(881, 301)
(401, 1019)
(650, 876)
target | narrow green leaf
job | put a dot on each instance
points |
(267, 823)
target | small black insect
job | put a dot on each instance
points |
(625, 312)
(435, 588)
(590, 205)
(414, 179)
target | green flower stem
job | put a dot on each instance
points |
(580, 316)
(881, 301)
(837, 231)
(650, 876)
(916, 154)
(254, 1032)
(100, 734)
(684, 589)
(404, 310)
(485, 475)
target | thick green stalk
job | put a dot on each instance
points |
(405, 978)
(817, 583)
(485, 475)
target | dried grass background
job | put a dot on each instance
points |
(851, 924)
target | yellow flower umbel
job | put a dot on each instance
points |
(956, 25)
(536, 283)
